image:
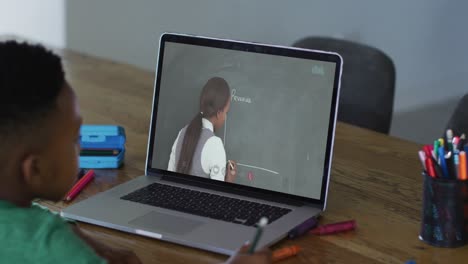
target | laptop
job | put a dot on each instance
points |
(277, 135)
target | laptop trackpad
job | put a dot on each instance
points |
(161, 222)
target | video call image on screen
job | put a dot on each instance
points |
(276, 126)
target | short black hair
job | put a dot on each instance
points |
(31, 78)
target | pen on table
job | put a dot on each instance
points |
(334, 228)
(303, 228)
(284, 253)
(261, 224)
(76, 189)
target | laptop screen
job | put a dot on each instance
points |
(245, 114)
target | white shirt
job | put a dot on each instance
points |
(213, 156)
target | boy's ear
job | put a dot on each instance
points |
(32, 172)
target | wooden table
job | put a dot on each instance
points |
(376, 179)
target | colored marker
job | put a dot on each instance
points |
(430, 168)
(76, 189)
(455, 142)
(422, 158)
(442, 162)
(462, 174)
(284, 253)
(303, 228)
(441, 142)
(437, 168)
(456, 165)
(450, 163)
(436, 147)
(334, 228)
(261, 224)
(428, 150)
(449, 136)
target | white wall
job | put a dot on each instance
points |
(42, 21)
(425, 38)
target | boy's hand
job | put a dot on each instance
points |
(262, 256)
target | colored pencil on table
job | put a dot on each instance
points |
(284, 253)
(76, 189)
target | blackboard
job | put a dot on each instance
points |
(277, 126)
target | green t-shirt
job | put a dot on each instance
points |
(36, 235)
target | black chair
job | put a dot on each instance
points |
(458, 122)
(367, 84)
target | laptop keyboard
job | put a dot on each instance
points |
(205, 204)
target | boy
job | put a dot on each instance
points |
(39, 132)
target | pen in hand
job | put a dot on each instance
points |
(261, 224)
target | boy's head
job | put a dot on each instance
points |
(39, 125)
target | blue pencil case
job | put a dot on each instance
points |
(100, 139)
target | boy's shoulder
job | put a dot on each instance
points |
(44, 235)
(28, 221)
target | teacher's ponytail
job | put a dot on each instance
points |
(213, 98)
(192, 135)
